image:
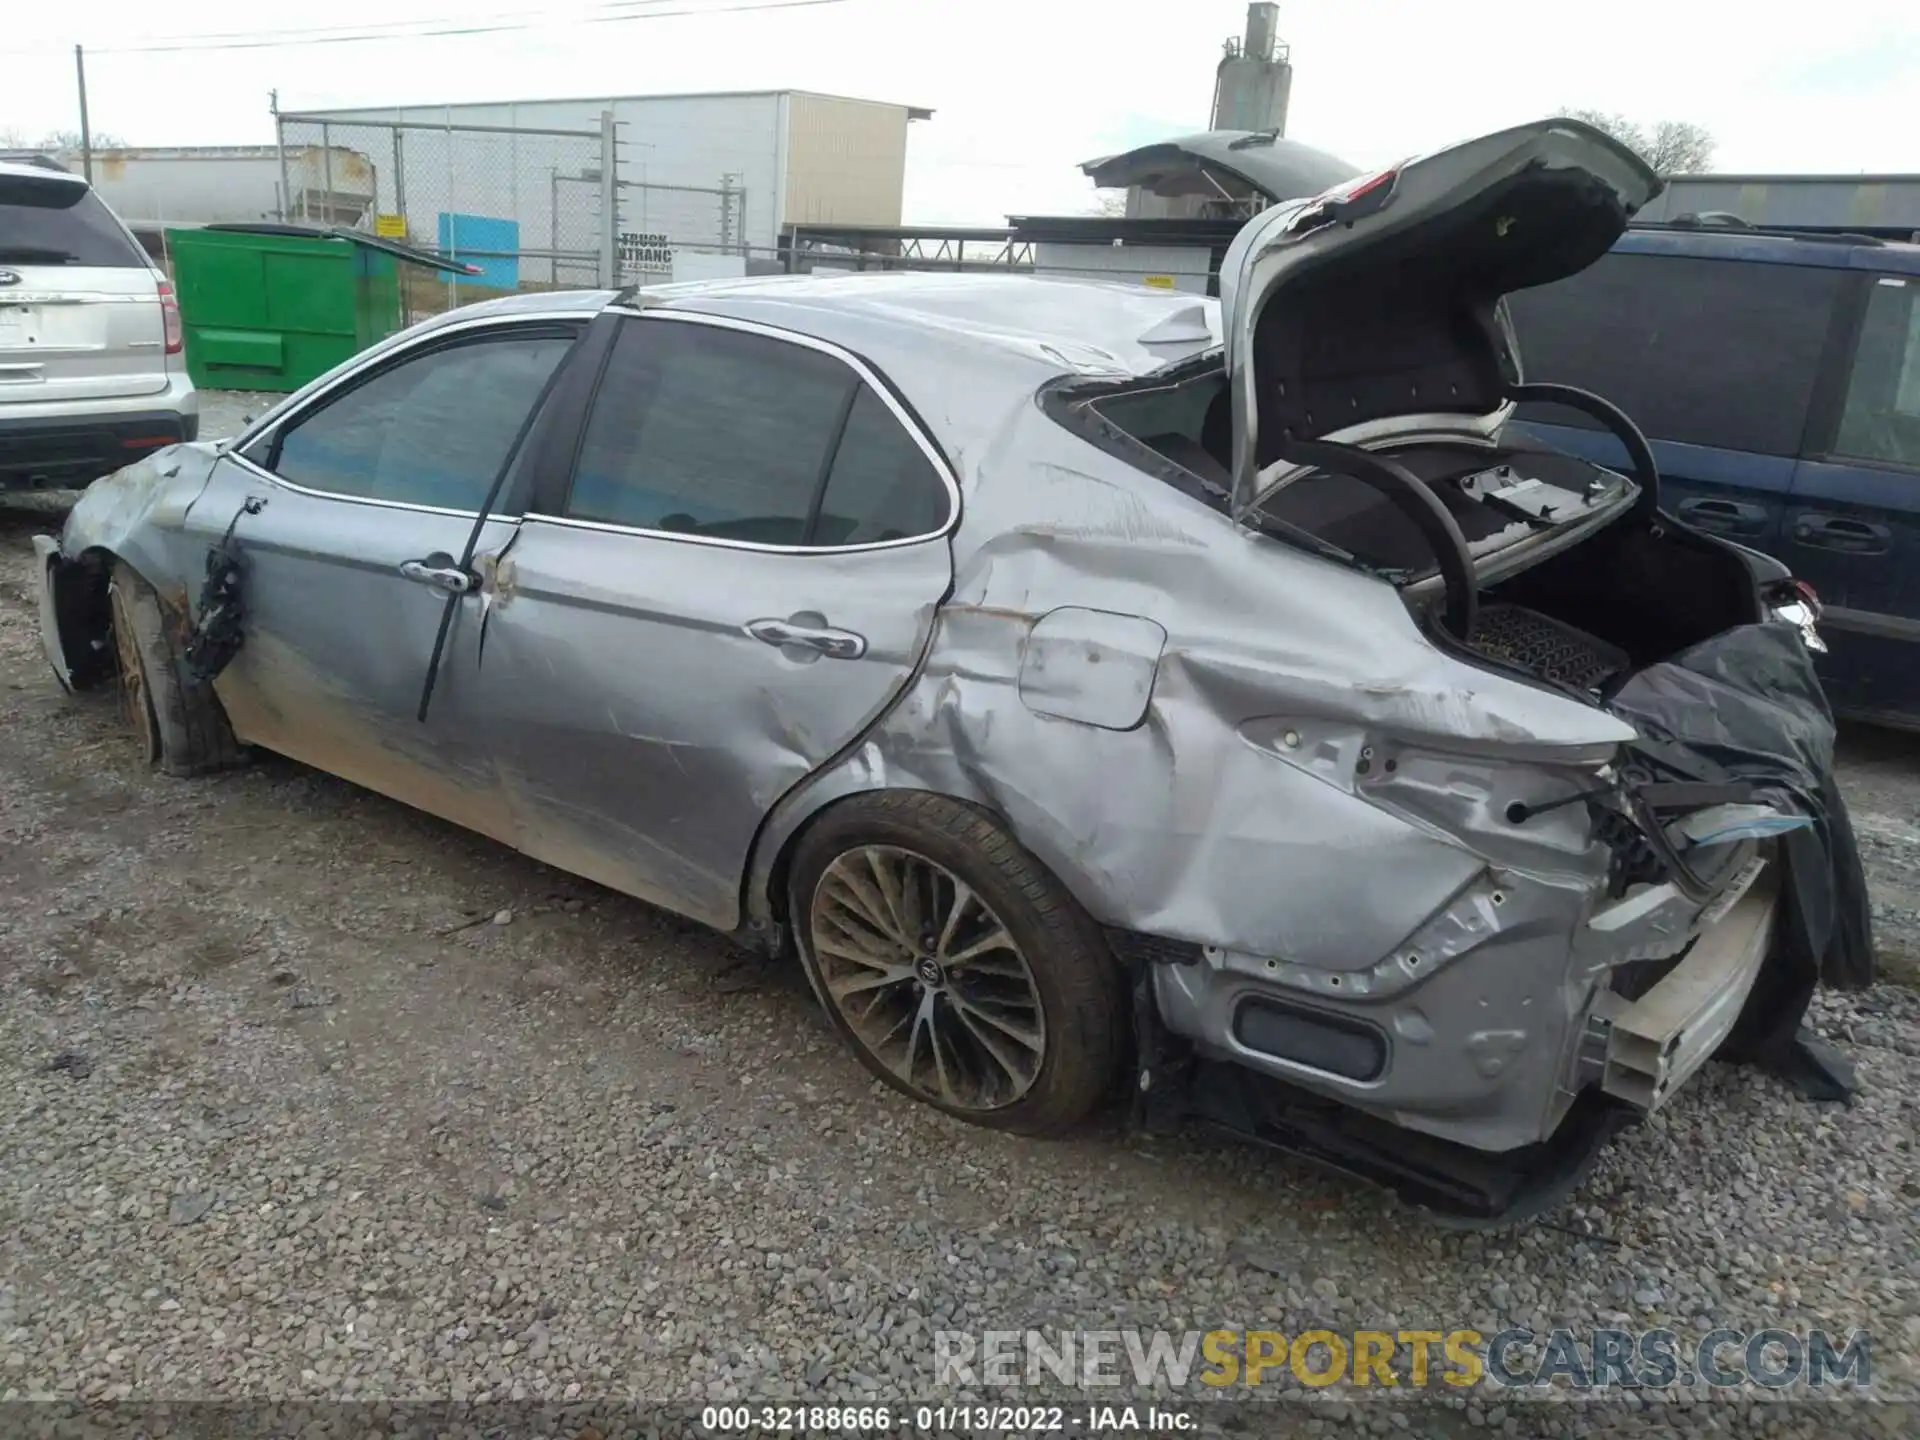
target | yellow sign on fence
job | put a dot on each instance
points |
(391, 227)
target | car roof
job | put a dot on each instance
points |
(31, 170)
(1057, 325)
(1810, 250)
(1026, 322)
(965, 350)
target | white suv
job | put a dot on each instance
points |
(92, 370)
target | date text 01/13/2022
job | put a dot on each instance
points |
(938, 1419)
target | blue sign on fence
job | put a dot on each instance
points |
(486, 241)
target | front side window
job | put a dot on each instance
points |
(1880, 419)
(706, 431)
(432, 430)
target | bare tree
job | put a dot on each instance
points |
(70, 140)
(1671, 147)
(1109, 204)
(1679, 147)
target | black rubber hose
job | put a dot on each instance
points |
(1645, 473)
(1415, 499)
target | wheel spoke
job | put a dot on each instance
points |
(962, 898)
(859, 946)
(995, 1049)
(922, 1022)
(891, 894)
(1005, 966)
(1032, 1039)
(871, 980)
(995, 938)
(939, 1057)
(858, 894)
(905, 1015)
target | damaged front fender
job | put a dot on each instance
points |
(137, 515)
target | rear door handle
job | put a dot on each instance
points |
(806, 636)
(1841, 532)
(439, 571)
(1725, 517)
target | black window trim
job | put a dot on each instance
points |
(379, 361)
(1835, 375)
(555, 490)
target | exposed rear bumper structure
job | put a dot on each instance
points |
(1612, 1059)
(1656, 1042)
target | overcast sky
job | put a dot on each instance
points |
(1026, 89)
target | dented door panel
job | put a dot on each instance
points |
(336, 643)
(645, 715)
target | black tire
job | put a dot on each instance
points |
(1082, 993)
(179, 722)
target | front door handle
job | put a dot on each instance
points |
(1842, 532)
(806, 636)
(1725, 517)
(439, 571)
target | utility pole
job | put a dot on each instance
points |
(86, 132)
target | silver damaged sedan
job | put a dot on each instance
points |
(1102, 692)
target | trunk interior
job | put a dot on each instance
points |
(1583, 617)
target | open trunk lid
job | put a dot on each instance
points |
(1379, 299)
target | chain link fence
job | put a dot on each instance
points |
(533, 209)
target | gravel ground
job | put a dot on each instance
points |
(308, 1096)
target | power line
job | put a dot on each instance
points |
(403, 27)
(508, 22)
(372, 28)
(449, 28)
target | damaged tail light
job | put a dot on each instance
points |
(1794, 602)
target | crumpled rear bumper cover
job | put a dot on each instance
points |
(1476, 1064)
(1492, 1047)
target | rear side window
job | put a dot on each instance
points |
(53, 221)
(705, 431)
(1880, 418)
(1703, 352)
(712, 432)
(433, 430)
(882, 486)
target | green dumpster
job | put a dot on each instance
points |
(270, 307)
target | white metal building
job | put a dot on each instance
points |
(696, 172)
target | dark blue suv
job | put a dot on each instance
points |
(1778, 379)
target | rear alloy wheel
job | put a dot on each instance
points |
(958, 970)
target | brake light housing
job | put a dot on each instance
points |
(170, 319)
